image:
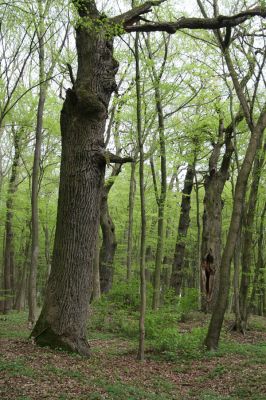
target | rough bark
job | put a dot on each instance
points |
(96, 290)
(62, 322)
(248, 234)
(183, 225)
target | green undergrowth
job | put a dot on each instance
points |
(14, 325)
(16, 367)
(173, 335)
(117, 314)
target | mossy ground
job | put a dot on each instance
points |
(236, 371)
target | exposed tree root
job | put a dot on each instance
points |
(68, 343)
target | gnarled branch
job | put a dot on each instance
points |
(133, 16)
(222, 21)
(114, 158)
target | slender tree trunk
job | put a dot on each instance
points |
(131, 202)
(260, 265)
(109, 243)
(9, 267)
(248, 234)
(32, 299)
(108, 248)
(62, 322)
(198, 240)
(262, 294)
(168, 256)
(1, 161)
(47, 245)
(21, 293)
(143, 209)
(238, 323)
(158, 257)
(163, 185)
(184, 221)
(216, 322)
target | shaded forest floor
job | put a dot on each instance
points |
(237, 371)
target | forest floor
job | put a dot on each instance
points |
(236, 371)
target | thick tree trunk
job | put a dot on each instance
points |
(9, 267)
(108, 248)
(248, 234)
(184, 221)
(62, 322)
(131, 202)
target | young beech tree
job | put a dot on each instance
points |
(62, 322)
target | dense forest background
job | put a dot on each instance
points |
(132, 198)
(179, 224)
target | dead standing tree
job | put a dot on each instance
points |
(62, 322)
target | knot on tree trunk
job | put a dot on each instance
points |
(208, 272)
